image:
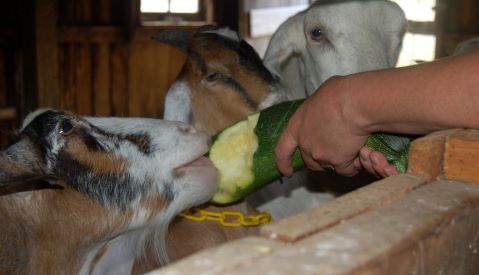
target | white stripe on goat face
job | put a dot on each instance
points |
(178, 103)
(172, 145)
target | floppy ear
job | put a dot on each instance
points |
(20, 163)
(287, 41)
(177, 38)
(283, 56)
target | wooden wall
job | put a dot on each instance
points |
(87, 56)
(94, 57)
(108, 67)
(457, 20)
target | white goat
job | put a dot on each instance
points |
(98, 193)
(335, 38)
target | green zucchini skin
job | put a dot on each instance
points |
(272, 122)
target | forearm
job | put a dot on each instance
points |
(417, 99)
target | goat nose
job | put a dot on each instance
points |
(187, 129)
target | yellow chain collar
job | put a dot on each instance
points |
(227, 218)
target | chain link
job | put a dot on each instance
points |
(227, 218)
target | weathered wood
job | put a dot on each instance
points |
(146, 89)
(119, 80)
(67, 76)
(3, 77)
(46, 42)
(433, 230)
(224, 258)
(90, 34)
(102, 11)
(450, 154)
(102, 80)
(8, 113)
(83, 79)
(342, 208)
(426, 154)
(461, 156)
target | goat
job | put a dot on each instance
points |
(193, 99)
(222, 81)
(97, 193)
(335, 37)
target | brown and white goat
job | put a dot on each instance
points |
(221, 72)
(98, 193)
(222, 81)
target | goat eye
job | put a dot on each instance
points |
(317, 34)
(66, 129)
(212, 76)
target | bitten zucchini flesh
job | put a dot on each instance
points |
(244, 152)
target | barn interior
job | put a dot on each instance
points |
(98, 58)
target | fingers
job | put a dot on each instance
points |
(381, 165)
(345, 169)
(375, 163)
(284, 151)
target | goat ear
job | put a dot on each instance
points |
(287, 41)
(283, 56)
(175, 38)
(19, 163)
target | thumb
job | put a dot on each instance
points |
(284, 150)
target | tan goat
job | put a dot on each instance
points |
(97, 194)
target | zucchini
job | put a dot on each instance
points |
(244, 152)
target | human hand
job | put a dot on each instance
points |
(323, 128)
(375, 163)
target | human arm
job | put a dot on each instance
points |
(332, 125)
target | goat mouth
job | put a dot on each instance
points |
(200, 162)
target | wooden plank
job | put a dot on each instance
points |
(461, 156)
(8, 113)
(342, 208)
(149, 63)
(426, 154)
(83, 79)
(433, 230)
(102, 12)
(91, 34)
(222, 259)
(67, 77)
(46, 43)
(102, 80)
(450, 154)
(119, 79)
(3, 77)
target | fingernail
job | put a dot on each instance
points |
(363, 155)
(388, 172)
(374, 160)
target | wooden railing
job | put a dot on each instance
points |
(423, 222)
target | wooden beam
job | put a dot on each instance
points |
(92, 34)
(450, 154)
(8, 113)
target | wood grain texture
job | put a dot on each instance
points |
(150, 64)
(461, 156)
(342, 208)
(102, 80)
(426, 154)
(47, 72)
(119, 80)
